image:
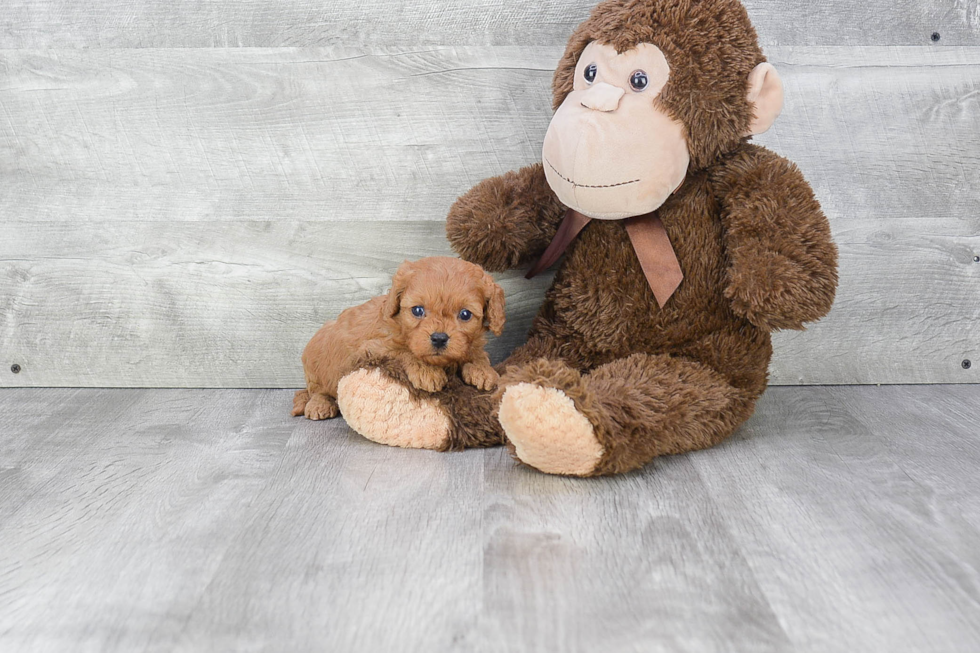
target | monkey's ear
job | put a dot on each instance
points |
(766, 97)
(493, 311)
(399, 282)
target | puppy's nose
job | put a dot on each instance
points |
(439, 340)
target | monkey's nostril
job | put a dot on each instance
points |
(439, 340)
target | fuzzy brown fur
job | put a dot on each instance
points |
(754, 246)
(385, 328)
(467, 407)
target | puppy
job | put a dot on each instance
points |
(432, 321)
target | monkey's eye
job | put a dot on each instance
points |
(465, 315)
(638, 80)
(418, 311)
(590, 72)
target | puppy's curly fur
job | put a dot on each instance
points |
(432, 323)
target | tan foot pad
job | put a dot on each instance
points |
(381, 410)
(547, 431)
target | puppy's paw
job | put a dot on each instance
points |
(300, 400)
(482, 377)
(321, 407)
(428, 378)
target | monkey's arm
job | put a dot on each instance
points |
(504, 222)
(782, 262)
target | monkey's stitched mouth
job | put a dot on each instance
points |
(622, 183)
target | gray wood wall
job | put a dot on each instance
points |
(188, 190)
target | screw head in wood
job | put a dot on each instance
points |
(976, 259)
(935, 37)
(966, 364)
(15, 368)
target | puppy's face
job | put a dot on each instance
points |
(440, 307)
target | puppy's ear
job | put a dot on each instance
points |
(493, 310)
(399, 282)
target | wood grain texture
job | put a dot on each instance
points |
(189, 217)
(858, 507)
(837, 519)
(351, 565)
(303, 134)
(342, 134)
(615, 564)
(188, 304)
(120, 507)
(132, 531)
(232, 304)
(907, 308)
(274, 23)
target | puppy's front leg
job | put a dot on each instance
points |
(321, 406)
(479, 374)
(424, 377)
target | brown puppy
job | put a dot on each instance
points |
(433, 320)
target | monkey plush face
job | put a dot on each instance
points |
(649, 91)
(611, 151)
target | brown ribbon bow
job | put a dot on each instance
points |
(650, 242)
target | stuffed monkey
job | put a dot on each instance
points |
(684, 247)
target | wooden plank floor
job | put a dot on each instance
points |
(837, 519)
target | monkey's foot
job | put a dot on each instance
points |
(382, 409)
(547, 431)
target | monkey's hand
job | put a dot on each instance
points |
(504, 222)
(783, 263)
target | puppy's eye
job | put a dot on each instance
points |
(418, 311)
(639, 80)
(590, 72)
(465, 315)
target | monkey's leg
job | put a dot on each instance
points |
(380, 403)
(618, 417)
